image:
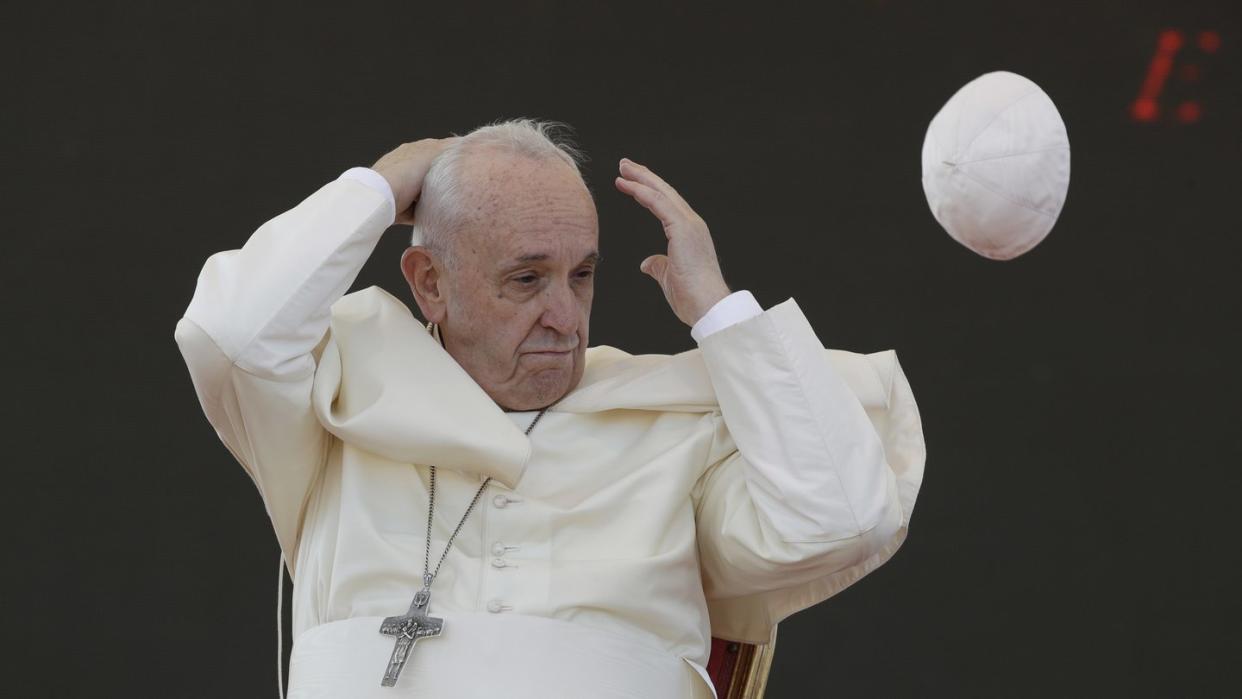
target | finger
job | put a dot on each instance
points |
(654, 201)
(641, 173)
(654, 266)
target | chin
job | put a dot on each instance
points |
(545, 388)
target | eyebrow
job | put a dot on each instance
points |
(592, 256)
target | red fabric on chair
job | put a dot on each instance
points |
(721, 664)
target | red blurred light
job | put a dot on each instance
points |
(1170, 41)
(1188, 112)
(1209, 41)
(1160, 66)
(1144, 109)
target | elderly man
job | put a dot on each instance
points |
(626, 508)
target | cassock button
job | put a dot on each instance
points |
(499, 563)
(499, 548)
(496, 606)
(500, 500)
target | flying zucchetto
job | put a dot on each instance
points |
(996, 165)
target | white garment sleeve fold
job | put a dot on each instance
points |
(797, 484)
(734, 308)
(372, 179)
(254, 328)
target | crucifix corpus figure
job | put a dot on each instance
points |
(408, 628)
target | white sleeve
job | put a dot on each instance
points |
(254, 327)
(734, 308)
(798, 485)
(372, 179)
(266, 304)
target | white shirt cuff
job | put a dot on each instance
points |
(734, 308)
(375, 181)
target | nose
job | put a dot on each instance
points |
(560, 312)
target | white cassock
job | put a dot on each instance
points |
(664, 500)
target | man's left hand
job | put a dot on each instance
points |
(689, 274)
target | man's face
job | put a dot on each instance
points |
(517, 301)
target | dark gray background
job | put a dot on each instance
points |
(1076, 531)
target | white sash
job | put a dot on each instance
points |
(518, 656)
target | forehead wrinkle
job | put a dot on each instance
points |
(516, 202)
(499, 180)
(533, 218)
(508, 202)
(518, 261)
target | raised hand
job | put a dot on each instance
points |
(690, 273)
(405, 166)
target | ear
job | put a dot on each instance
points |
(423, 272)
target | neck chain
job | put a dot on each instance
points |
(416, 623)
(429, 575)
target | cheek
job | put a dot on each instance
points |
(509, 327)
(585, 306)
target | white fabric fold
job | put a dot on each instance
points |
(485, 655)
(734, 308)
(375, 181)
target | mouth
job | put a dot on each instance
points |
(550, 353)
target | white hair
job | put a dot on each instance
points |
(443, 201)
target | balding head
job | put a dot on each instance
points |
(463, 181)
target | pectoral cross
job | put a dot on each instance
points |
(408, 628)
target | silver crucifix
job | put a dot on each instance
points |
(408, 628)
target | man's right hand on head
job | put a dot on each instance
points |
(405, 167)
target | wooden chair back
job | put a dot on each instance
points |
(740, 670)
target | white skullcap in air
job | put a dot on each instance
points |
(996, 165)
